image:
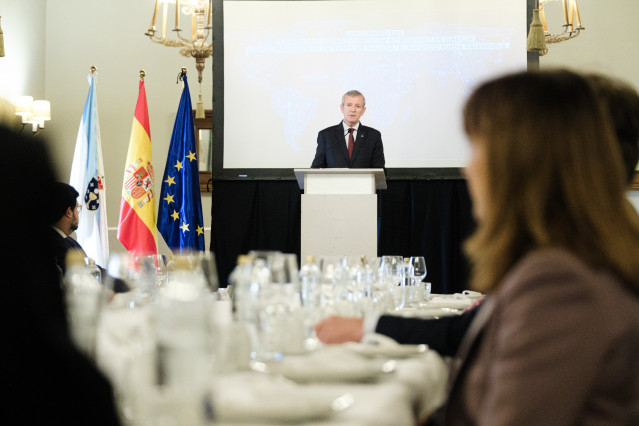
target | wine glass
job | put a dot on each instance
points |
(417, 273)
(417, 268)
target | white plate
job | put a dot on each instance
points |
(427, 312)
(450, 302)
(332, 366)
(388, 351)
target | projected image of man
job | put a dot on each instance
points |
(350, 144)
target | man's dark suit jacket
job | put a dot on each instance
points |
(368, 152)
(443, 335)
(61, 246)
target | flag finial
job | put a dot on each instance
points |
(142, 75)
(181, 75)
(93, 69)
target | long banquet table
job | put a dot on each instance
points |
(400, 384)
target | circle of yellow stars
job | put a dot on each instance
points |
(170, 198)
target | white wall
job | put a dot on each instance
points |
(21, 70)
(608, 45)
(110, 36)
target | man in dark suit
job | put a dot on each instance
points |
(350, 144)
(64, 218)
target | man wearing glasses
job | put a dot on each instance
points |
(65, 218)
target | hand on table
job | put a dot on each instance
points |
(340, 329)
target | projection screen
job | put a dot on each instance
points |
(281, 68)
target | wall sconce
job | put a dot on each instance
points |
(33, 112)
(539, 36)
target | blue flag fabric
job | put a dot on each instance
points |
(180, 212)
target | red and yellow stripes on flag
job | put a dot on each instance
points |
(136, 227)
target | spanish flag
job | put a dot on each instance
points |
(136, 227)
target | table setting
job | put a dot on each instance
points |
(258, 362)
(442, 305)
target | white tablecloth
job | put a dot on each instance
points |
(412, 391)
(415, 388)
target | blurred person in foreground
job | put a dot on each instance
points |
(46, 379)
(621, 102)
(556, 340)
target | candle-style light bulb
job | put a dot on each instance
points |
(1, 41)
(542, 16)
(165, 12)
(577, 15)
(155, 13)
(571, 15)
(177, 14)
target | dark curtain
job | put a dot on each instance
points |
(429, 218)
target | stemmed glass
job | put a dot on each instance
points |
(417, 273)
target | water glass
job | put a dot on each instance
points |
(392, 274)
(280, 326)
(416, 274)
(284, 269)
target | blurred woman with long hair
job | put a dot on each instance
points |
(557, 251)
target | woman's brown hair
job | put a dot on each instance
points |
(554, 174)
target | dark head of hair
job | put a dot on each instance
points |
(64, 196)
(622, 103)
(553, 173)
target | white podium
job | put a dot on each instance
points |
(339, 211)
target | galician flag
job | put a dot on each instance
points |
(136, 227)
(180, 212)
(87, 177)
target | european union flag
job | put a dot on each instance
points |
(180, 212)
